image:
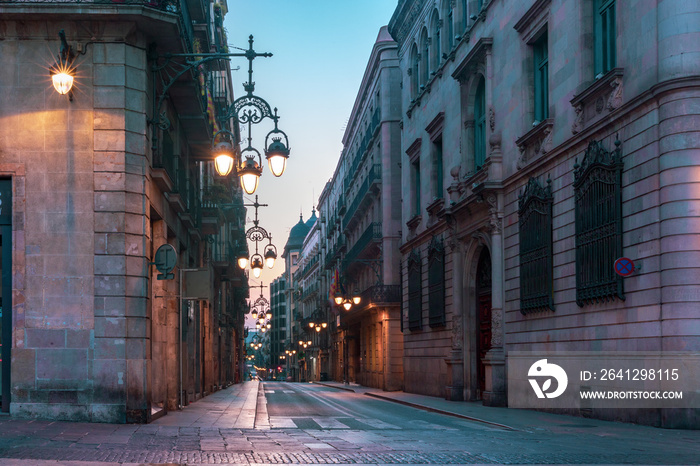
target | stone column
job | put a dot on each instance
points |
(454, 390)
(494, 362)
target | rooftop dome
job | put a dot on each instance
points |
(312, 220)
(297, 235)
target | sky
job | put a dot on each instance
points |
(320, 51)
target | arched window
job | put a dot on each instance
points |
(424, 59)
(435, 53)
(413, 75)
(450, 26)
(465, 18)
(480, 124)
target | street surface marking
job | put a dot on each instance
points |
(329, 423)
(377, 423)
(429, 426)
(282, 423)
(288, 391)
(269, 391)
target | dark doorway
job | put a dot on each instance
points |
(483, 316)
(5, 292)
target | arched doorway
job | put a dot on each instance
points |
(483, 316)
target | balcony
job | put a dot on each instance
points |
(340, 206)
(222, 255)
(369, 184)
(372, 235)
(376, 296)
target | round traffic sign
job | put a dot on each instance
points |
(624, 267)
(166, 259)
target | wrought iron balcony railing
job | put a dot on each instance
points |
(372, 234)
(374, 176)
(381, 294)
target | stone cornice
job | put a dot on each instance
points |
(475, 55)
(582, 138)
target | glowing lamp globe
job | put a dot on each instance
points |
(62, 79)
(277, 154)
(223, 158)
(250, 175)
(270, 257)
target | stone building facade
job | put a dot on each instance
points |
(278, 332)
(98, 184)
(291, 254)
(360, 223)
(512, 111)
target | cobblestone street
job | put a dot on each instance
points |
(238, 426)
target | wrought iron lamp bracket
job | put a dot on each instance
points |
(168, 68)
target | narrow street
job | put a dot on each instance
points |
(275, 422)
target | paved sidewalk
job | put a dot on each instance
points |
(234, 407)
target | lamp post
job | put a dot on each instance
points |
(247, 110)
(256, 233)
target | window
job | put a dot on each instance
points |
(541, 78)
(438, 169)
(413, 72)
(416, 187)
(480, 124)
(605, 32)
(450, 26)
(535, 238)
(464, 15)
(598, 205)
(436, 284)
(435, 42)
(415, 296)
(424, 62)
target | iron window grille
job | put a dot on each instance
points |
(415, 291)
(535, 222)
(598, 200)
(436, 283)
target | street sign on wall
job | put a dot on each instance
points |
(624, 267)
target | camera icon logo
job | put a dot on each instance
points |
(541, 369)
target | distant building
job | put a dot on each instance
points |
(278, 332)
(292, 250)
(360, 229)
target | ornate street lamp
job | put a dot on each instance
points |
(63, 72)
(256, 265)
(246, 110)
(277, 152)
(341, 299)
(257, 234)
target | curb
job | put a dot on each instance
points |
(334, 386)
(440, 411)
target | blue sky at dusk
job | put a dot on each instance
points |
(320, 51)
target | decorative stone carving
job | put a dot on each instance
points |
(594, 103)
(578, 121)
(535, 143)
(599, 105)
(492, 118)
(495, 142)
(546, 143)
(615, 97)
